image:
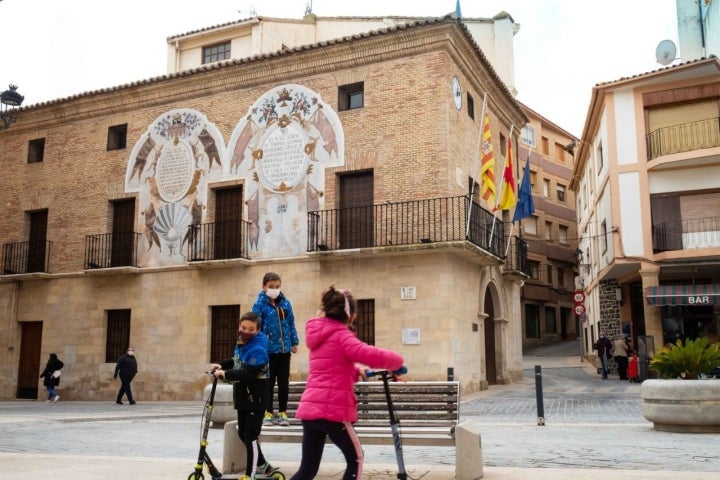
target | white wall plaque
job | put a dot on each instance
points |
(408, 293)
(411, 336)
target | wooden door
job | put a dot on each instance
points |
(29, 367)
(38, 241)
(228, 218)
(356, 216)
(123, 244)
(490, 364)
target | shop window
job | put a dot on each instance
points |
(550, 320)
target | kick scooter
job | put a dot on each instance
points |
(204, 457)
(394, 422)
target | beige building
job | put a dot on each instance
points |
(148, 213)
(647, 180)
(550, 233)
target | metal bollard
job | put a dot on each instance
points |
(539, 396)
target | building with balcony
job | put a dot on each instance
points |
(550, 233)
(647, 186)
(147, 214)
(647, 181)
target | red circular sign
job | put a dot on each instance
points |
(579, 310)
(579, 296)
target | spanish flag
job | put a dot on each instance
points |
(487, 169)
(507, 191)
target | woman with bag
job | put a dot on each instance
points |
(51, 377)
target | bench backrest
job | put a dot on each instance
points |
(417, 404)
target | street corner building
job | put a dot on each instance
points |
(146, 214)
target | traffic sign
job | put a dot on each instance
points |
(579, 310)
(579, 297)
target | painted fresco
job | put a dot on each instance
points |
(170, 167)
(279, 150)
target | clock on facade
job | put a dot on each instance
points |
(456, 93)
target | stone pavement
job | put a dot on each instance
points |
(593, 429)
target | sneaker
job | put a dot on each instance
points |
(119, 402)
(265, 469)
(283, 419)
(132, 402)
(57, 397)
(268, 420)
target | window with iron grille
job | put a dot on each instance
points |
(216, 53)
(224, 331)
(117, 137)
(118, 334)
(36, 150)
(365, 321)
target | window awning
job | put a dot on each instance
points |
(683, 295)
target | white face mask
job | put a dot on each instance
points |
(131, 353)
(273, 293)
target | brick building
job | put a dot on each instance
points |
(147, 214)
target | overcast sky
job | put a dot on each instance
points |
(58, 48)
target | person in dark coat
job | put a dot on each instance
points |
(604, 346)
(50, 378)
(126, 367)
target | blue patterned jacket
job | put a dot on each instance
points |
(278, 322)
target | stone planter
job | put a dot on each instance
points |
(689, 406)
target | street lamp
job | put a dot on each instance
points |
(9, 101)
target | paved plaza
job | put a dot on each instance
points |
(593, 429)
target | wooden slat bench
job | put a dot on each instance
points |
(427, 412)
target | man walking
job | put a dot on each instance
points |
(127, 369)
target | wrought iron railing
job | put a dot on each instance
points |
(516, 259)
(686, 234)
(405, 223)
(109, 250)
(219, 241)
(683, 138)
(26, 257)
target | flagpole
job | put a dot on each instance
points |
(477, 152)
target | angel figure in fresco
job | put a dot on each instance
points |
(141, 157)
(150, 233)
(210, 148)
(254, 221)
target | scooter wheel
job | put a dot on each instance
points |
(278, 476)
(196, 476)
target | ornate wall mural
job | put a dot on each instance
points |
(281, 149)
(171, 166)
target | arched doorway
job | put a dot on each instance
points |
(490, 365)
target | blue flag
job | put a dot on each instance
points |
(524, 207)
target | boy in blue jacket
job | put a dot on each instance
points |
(248, 372)
(278, 324)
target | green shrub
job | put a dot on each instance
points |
(686, 360)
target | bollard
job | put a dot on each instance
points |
(450, 374)
(539, 396)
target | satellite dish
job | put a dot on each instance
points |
(665, 52)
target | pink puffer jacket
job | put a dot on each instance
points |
(334, 349)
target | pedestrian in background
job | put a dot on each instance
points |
(603, 346)
(51, 377)
(126, 367)
(620, 354)
(328, 406)
(278, 325)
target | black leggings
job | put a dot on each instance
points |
(342, 434)
(249, 426)
(280, 371)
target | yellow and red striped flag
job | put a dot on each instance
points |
(507, 192)
(487, 169)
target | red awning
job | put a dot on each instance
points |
(683, 295)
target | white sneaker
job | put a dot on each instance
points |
(57, 397)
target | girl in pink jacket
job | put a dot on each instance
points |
(328, 406)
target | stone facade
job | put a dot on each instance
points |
(408, 133)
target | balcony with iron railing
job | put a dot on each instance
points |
(683, 138)
(111, 250)
(218, 241)
(425, 221)
(686, 234)
(516, 259)
(26, 257)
